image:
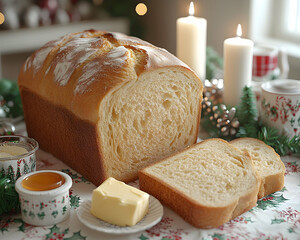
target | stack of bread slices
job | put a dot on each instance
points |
(214, 181)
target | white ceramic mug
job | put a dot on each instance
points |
(280, 106)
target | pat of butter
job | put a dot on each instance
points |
(10, 150)
(120, 204)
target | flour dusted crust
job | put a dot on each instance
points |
(73, 89)
(89, 63)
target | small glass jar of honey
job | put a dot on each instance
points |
(44, 197)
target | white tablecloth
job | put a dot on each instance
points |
(276, 216)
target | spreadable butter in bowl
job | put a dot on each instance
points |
(44, 197)
(280, 106)
(17, 155)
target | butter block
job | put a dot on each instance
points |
(120, 204)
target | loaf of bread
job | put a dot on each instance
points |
(267, 163)
(206, 184)
(108, 104)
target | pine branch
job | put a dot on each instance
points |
(283, 145)
(9, 198)
(247, 114)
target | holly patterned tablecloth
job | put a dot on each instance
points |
(276, 216)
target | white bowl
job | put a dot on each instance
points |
(44, 207)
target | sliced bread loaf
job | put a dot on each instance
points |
(207, 184)
(108, 104)
(267, 163)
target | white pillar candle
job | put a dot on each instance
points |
(191, 42)
(238, 54)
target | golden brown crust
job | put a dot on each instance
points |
(70, 139)
(72, 70)
(273, 184)
(65, 136)
(192, 212)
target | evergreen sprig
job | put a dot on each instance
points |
(250, 126)
(9, 198)
(283, 145)
(247, 114)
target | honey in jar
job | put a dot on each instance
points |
(43, 181)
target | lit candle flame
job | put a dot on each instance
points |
(192, 9)
(239, 30)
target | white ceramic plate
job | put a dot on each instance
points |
(152, 218)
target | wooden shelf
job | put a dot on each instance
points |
(29, 39)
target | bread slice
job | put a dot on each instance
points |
(207, 184)
(267, 163)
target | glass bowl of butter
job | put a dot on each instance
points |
(17, 156)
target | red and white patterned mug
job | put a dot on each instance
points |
(280, 106)
(269, 63)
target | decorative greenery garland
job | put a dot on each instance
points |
(9, 198)
(250, 126)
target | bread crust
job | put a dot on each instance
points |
(38, 72)
(65, 136)
(198, 215)
(273, 182)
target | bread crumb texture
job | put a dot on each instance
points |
(266, 162)
(265, 159)
(211, 173)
